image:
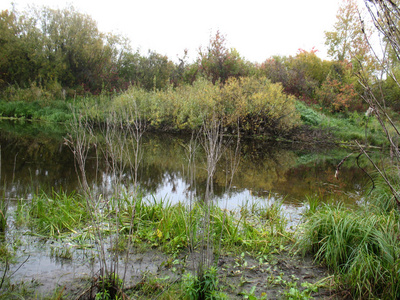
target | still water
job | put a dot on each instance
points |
(35, 158)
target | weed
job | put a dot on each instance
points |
(294, 293)
(58, 213)
(5, 253)
(63, 252)
(151, 286)
(109, 287)
(251, 294)
(312, 203)
(203, 286)
(22, 216)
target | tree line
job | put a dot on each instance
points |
(61, 53)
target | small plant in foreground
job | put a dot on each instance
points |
(109, 287)
(203, 286)
(251, 294)
(294, 293)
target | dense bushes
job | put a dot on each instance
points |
(256, 104)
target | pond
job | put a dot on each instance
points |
(35, 158)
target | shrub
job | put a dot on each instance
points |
(337, 96)
(257, 104)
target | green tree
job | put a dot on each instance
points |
(49, 47)
(300, 75)
(75, 52)
(18, 44)
(347, 40)
(218, 63)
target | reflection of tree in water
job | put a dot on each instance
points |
(42, 161)
(319, 179)
(30, 160)
(260, 167)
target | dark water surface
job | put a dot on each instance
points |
(35, 158)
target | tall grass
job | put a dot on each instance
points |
(360, 246)
(58, 213)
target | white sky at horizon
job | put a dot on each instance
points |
(258, 29)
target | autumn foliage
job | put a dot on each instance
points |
(48, 54)
(255, 105)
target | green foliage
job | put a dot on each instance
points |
(203, 286)
(109, 287)
(58, 213)
(299, 75)
(346, 127)
(251, 295)
(63, 252)
(57, 111)
(360, 246)
(149, 72)
(381, 199)
(217, 63)
(390, 89)
(308, 115)
(6, 254)
(152, 287)
(57, 47)
(294, 293)
(174, 228)
(258, 105)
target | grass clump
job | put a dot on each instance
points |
(360, 246)
(203, 286)
(176, 227)
(58, 213)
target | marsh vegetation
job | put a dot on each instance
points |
(256, 206)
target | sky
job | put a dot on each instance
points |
(257, 29)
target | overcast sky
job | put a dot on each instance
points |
(258, 29)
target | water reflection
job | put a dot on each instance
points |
(40, 161)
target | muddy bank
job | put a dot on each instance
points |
(149, 273)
